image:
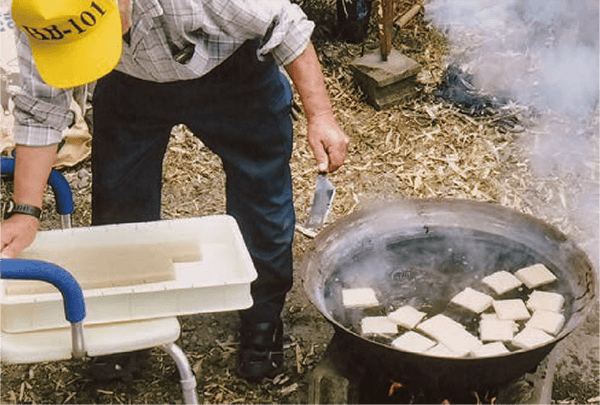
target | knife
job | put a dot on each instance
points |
(324, 193)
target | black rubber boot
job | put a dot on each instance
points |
(261, 354)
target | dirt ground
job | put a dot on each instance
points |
(387, 159)
(577, 357)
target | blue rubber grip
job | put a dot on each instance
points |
(62, 193)
(8, 166)
(60, 186)
(21, 269)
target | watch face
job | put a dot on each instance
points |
(7, 208)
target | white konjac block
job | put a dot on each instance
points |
(502, 282)
(359, 298)
(406, 316)
(531, 337)
(548, 301)
(450, 333)
(490, 349)
(493, 330)
(378, 325)
(547, 321)
(535, 276)
(413, 342)
(473, 300)
(514, 309)
(440, 350)
(489, 316)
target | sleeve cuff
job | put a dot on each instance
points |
(290, 49)
(33, 136)
(289, 38)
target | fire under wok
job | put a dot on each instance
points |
(422, 253)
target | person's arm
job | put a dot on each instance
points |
(41, 114)
(325, 137)
(32, 168)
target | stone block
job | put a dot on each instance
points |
(386, 83)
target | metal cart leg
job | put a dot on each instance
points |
(188, 381)
(65, 221)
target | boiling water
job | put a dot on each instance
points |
(427, 270)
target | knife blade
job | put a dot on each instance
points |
(322, 199)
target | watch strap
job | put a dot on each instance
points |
(25, 209)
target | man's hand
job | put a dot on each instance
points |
(17, 233)
(328, 142)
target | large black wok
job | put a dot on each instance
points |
(423, 252)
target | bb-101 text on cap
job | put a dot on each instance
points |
(87, 19)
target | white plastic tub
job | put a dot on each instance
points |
(134, 272)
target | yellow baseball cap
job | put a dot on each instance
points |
(73, 42)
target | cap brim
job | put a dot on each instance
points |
(82, 61)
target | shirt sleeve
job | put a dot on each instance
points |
(41, 112)
(283, 27)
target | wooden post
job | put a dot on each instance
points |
(385, 19)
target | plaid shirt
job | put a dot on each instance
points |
(162, 29)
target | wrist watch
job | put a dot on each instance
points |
(15, 208)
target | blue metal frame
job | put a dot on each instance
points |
(22, 269)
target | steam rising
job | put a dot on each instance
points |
(543, 54)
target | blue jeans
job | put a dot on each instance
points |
(241, 111)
